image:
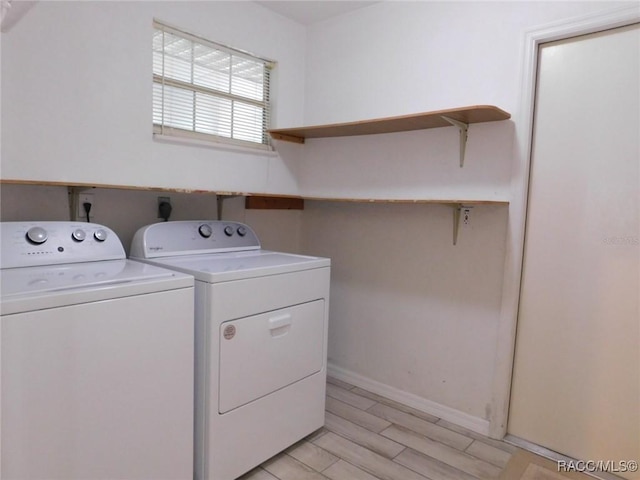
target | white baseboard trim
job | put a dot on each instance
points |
(476, 424)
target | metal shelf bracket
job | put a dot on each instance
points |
(459, 211)
(464, 129)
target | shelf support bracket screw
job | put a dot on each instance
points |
(458, 208)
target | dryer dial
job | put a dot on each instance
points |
(205, 230)
(79, 235)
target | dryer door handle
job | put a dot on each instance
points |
(280, 321)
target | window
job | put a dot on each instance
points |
(207, 91)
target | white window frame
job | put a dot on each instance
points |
(162, 123)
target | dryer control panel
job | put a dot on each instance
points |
(26, 244)
(191, 238)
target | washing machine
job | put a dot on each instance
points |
(96, 358)
(261, 340)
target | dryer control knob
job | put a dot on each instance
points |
(242, 231)
(228, 230)
(79, 235)
(100, 235)
(37, 235)
(205, 230)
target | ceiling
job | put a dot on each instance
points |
(305, 12)
(308, 12)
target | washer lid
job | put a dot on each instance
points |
(223, 267)
(33, 288)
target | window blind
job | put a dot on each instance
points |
(208, 91)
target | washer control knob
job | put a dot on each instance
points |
(100, 235)
(228, 230)
(79, 235)
(205, 230)
(242, 231)
(37, 235)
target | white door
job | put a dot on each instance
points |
(576, 380)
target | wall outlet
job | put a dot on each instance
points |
(163, 200)
(466, 216)
(86, 198)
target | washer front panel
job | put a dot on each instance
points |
(89, 389)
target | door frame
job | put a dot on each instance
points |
(512, 276)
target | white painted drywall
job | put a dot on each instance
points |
(76, 95)
(409, 311)
(396, 58)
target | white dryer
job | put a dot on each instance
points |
(261, 340)
(97, 358)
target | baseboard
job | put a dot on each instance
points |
(476, 424)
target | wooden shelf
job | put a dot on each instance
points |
(434, 201)
(261, 196)
(275, 201)
(404, 123)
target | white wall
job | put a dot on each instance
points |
(400, 57)
(76, 95)
(411, 315)
(408, 309)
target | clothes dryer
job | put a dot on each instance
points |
(261, 340)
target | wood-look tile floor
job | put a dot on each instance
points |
(368, 437)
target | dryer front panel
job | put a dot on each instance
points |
(264, 353)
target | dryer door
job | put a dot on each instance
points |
(263, 353)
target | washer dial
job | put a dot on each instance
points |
(100, 235)
(37, 235)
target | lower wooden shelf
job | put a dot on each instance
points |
(226, 193)
(264, 201)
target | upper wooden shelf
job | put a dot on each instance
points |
(404, 123)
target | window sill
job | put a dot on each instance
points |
(214, 145)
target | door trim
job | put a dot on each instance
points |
(533, 38)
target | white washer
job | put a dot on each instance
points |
(261, 340)
(97, 358)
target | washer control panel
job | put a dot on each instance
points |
(192, 237)
(25, 244)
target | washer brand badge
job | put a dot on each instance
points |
(155, 249)
(229, 332)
